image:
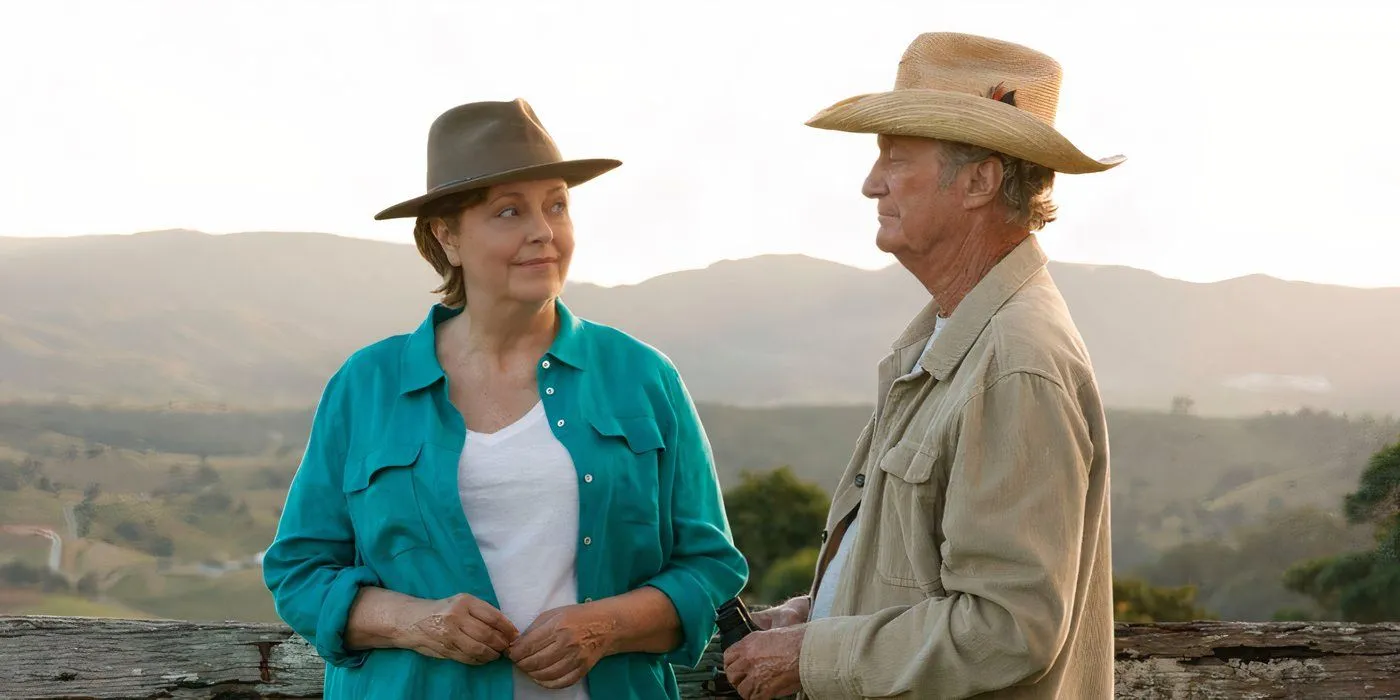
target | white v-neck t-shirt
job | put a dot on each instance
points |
(519, 491)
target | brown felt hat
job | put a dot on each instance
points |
(480, 144)
(970, 89)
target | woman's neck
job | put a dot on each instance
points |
(503, 330)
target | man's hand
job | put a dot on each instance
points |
(765, 665)
(562, 645)
(462, 628)
(793, 612)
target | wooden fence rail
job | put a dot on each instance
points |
(66, 657)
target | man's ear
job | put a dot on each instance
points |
(447, 238)
(984, 183)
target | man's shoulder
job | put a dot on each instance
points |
(1034, 332)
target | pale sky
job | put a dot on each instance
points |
(1260, 136)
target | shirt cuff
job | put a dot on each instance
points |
(335, 614)
(695, 611)
(823, 665)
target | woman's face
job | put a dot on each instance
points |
(516, 245)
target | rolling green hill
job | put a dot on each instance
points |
(165, 499)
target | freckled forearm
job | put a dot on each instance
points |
(376, 619)
(643, 621)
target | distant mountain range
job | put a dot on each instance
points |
(262, 319)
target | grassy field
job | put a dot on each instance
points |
(158, 493)
(76, 607)
(238, 595)
(31, 507)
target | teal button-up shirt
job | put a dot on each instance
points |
(375, 503)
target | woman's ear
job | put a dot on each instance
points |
(446, 234)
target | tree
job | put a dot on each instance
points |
(129, 531)
(205, 475)
(774, 515)
(1239, 577)
(1362, 586)
(214, 500)
(273, 478)
(87, 585)
(84, 513)
(1135, 600)
(31, 469)
(162, 546)
(10, 478)
(789, 576)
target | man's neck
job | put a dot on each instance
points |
(951, 279)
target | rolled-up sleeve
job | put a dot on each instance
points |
(705, 568)
(310, 566)
(1014, 524)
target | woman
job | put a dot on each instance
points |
(509, 501)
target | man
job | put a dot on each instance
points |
(967, 548)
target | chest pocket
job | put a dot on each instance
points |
(911, 464)
(381, 493)
(631, 455)
(911, 512)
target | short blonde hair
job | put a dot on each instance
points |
(448, 209)
(1025, 186)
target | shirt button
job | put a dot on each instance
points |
(560, 423)
(545, 364)
(549, 391)
(587, 478)
(860, 480)
(587, 541)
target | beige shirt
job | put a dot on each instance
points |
(981, 566)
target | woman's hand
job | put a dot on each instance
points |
(793, 612)
(462, 628)
(563, 645)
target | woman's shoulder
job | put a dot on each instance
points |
(378, 364)
(375, 358)
(613, 347)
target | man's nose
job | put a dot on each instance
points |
(874, 185)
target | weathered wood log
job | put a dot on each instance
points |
(1253, 660)
(68, 657)
(63, 657)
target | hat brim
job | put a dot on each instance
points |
(573, 172)
(961, 117)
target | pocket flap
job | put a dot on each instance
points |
(908, 463)
(640, 432)
(382, 457)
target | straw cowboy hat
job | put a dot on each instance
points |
(975, 90)
(480, 144)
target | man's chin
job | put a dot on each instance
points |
(887, 241)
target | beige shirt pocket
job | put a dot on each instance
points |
(910, 513)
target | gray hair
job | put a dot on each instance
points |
(1025, 186)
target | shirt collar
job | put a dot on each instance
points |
(420, 367)
(974, 312)
(569, 344)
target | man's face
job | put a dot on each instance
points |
(915, 214)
